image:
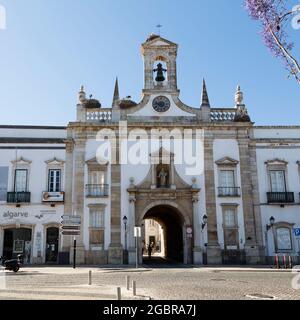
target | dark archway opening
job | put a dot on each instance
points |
(17, 241)
(171, 223)
(52, 245)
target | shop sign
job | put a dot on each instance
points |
(189, 232)
(53, 196)
(71, 220)
(18, 246)
(15, 214)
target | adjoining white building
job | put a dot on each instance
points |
(222, 190)
(32, 182)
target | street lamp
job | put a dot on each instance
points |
(272, 221)
(204, 221)
(125, 220)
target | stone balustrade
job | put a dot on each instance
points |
(227, 114)
(99, 115)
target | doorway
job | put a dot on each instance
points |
(171, 225)
(17, 241)
(52, 240)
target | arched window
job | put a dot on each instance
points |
(160, 71)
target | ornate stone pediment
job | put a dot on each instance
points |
(157, 41)
(161, 155)
(276, 161)
(21, 161)
(227, 161)
(55, 162)
(97, 162)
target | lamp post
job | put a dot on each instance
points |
(204, 254)
(125, 220)
(204, 221)
(74, 253)
(268, 227)
(272, 221)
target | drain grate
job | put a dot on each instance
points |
(218, 280)
(260, 296)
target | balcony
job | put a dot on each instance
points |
(280, 197)
(18, 197)
(97, 190)
(229, 191)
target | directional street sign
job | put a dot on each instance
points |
(71, 220)
(70, 233)
(137, 232)
(70, 225)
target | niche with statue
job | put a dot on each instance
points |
(162, 176)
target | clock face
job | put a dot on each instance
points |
(161, 104)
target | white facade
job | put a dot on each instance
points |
(279, 149)
(36, 150)
(213, 206)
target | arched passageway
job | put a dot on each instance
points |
(171, 222)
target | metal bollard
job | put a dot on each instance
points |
(118, 293)
(90, 277)
(127, 282)
(277, 261)
(134, 288)
(290, 262)
(284, 262)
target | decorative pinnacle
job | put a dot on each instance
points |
(239, 96)
(116, 96)
(205, 99)
(81, 95)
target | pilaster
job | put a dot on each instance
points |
(115, 250)
(78, 199)
(250, 197)
(213, 248)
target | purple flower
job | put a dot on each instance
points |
(270, 13)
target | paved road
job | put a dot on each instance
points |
(157, 282)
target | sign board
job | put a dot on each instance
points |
(70, 233)
(137, 232)
(70, 227)
(53, 196)
(71, 220)
(297, 232)
(189, 230)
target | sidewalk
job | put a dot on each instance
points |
(148, 268)
(76, 292)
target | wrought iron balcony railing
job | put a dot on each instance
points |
(280, 197)
(18, 197)
(97, 190)
(229, 191)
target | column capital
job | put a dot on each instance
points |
(132, 199)
(69, 145)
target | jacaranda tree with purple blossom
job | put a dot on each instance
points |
(276, 18)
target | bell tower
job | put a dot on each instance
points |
(159, 65)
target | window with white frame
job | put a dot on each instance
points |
(21, 177)
(227, 178)
(278, 181)
(54, 180)
(283, 238)
(96, 233)
(96, 218)
(97, 177)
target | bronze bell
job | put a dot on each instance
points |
(160, 73)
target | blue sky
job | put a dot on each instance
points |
(52, 47)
